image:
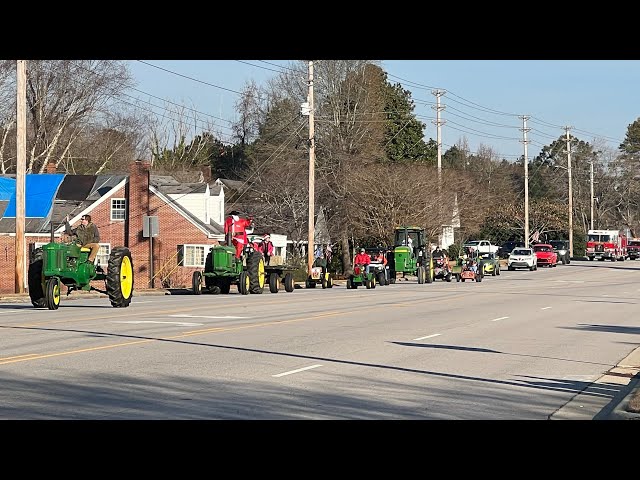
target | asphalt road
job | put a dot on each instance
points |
(522, 345)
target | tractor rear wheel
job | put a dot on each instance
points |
(36, 280)
(119, 279)
(421, 275)
(329, 281)
(255, 269)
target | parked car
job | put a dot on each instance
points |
(522, 258)
(561, 247)
(507, 247)
(545, 255)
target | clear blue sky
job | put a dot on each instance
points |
(599, 99)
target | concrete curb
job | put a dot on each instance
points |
(620, 412)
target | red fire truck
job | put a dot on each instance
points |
(607, 244)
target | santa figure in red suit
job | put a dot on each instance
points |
(235, 228)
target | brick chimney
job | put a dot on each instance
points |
(137, 208)
(206, 173)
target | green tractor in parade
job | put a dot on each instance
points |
(222, 269)
(410, 255)
(56, 264)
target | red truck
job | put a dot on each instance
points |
(607, 245)
(633, 248)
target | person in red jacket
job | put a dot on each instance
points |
(362, 259)
(235, 228)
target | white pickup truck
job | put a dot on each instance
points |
(482, 246)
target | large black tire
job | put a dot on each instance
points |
(119, 278)
(196, 282)
(35, 280)
(421, 274)
(244, 283)
(53, 293)
(208, 268)
(288, 282)
(330, 282)
(381, 279)
(255, 269)
(274, 280)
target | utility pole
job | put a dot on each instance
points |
(591, 177)
(570, 193)
(438, 108)
(312, 153)
(21, 159)
(525, 142)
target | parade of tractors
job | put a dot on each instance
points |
(243, 262)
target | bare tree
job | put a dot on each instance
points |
(68, 102)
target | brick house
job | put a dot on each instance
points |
(190, 218)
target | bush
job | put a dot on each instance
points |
(454, 250)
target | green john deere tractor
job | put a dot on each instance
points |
(222, 269)
(410, 255)
(56, 264)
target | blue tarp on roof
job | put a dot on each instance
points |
(7, 188)
(40, 191)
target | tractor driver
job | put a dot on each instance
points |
(362, 259)
(86, 234)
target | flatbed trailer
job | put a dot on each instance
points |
(276, 275)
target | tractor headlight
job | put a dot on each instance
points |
(562, 252)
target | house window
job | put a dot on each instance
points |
(118, 208)
(194, 255)
(102, 258)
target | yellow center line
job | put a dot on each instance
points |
(35, 356)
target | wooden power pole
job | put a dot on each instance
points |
(312, 181)
(21, 156)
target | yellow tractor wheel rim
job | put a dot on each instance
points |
(126, 277)
(261, 274)
(246, 282)
(56, 294)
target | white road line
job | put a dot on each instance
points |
(428, 336)
(184, 315)
(11, 311)
(296, 371)
(569, 281)
(146, 301)
(182, 324)
(545, 308)
(499, 318)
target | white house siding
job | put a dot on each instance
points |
(216, 208)
(195, 203)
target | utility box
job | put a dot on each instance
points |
(150, 226)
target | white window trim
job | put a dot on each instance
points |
(111, 210)
(184, 253)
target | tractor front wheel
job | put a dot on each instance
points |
(119, 279)
(196, 282)
(243, 283)
(53, 293)
(36, 280)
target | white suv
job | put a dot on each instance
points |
(522, 258)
